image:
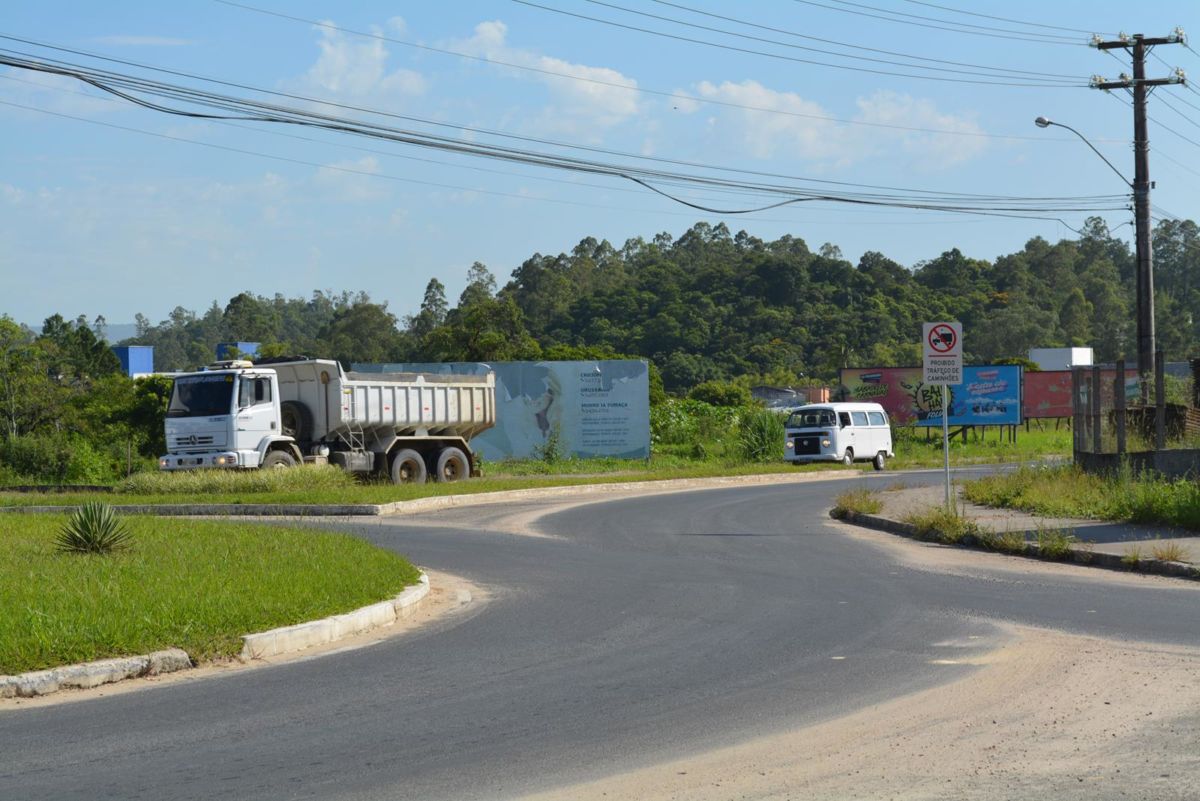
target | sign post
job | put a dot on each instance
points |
(942, 345)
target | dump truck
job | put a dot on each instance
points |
(288, 412)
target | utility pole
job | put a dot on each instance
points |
(1139, 46)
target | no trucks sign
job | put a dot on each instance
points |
(942, 343)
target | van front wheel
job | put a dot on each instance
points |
(880, 460)
(848, 458)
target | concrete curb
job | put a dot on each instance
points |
(93, 674)
(446, 501)
(1079, 556)
(320, 632)
(254, 646)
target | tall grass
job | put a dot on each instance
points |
(222, 482)
(761, 436)
(1069, 492)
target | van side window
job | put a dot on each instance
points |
(860, 418)
(844, 418)
(877, 418)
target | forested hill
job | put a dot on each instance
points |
(712, 304)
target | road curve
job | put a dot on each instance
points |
(634, 631)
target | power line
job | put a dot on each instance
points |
(780, 56)
(1000, 19)
(1026, 38)
(474, 130)
(990, 28)
(672, 95)
(975, 68)
(244, 109)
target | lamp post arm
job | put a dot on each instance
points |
(1094, 150)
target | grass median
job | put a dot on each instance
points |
(195, 585)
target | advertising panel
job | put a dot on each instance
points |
(1048, 393)
(988, 396)
(597, 408)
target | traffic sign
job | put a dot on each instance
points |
(942, 344)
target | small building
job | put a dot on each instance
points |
(136, 360)
(1061, 358)
(236, 350)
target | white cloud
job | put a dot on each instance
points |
(591, 101)
(357, 68)
(142, 41)
(805, 130)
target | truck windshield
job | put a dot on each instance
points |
(811, 418)
(201, 396)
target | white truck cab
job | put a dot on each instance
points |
(839, 432)
(225, 416)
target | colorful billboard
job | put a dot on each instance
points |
(1048, 393)
(988, 396)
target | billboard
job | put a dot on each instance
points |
(593, 408)
(1048, 393)
(989, 395)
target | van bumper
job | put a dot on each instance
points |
(814, 457)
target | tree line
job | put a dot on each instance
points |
(712, 305)
(708, 306)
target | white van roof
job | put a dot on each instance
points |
(842, 407)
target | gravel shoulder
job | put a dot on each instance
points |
(1048, 715)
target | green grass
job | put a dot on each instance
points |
(1068, 492)
(939, 524)
(914, 450)
(196, 585)
(862, 501)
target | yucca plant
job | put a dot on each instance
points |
(93, 528)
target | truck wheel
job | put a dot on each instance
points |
(848, 458)
(408, 467)
(452, 465)
(278, 460)
(295, 420)
(880, 460)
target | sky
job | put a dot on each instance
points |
(108, 208)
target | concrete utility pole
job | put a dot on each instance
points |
(1139, 46)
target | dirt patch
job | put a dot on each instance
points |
(1047, 715)
(449, 596)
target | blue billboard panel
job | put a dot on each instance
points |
(990, 395)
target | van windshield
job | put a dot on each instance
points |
(806, 418)
(201, 396)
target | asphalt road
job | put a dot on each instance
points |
(641, 629)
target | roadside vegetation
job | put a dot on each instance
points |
(1065, 491)
(859, 501)
(196, 585)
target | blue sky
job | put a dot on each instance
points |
(112, 209)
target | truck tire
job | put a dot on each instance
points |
(452, 465)
(278, 460)
(295, 420)
(408, 467)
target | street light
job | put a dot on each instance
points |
(1145, 272)
(1043, 122)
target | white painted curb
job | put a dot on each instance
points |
(319, 632)
(93, 674)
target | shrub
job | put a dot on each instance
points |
(1054, 543)
(1169, 551)
(55, 459)
(720, 393)
(760, 436)
(939, 524)
(92, 528)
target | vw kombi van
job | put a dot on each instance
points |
(839, 432)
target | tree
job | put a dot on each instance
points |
(365, 332)
(481, 285)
